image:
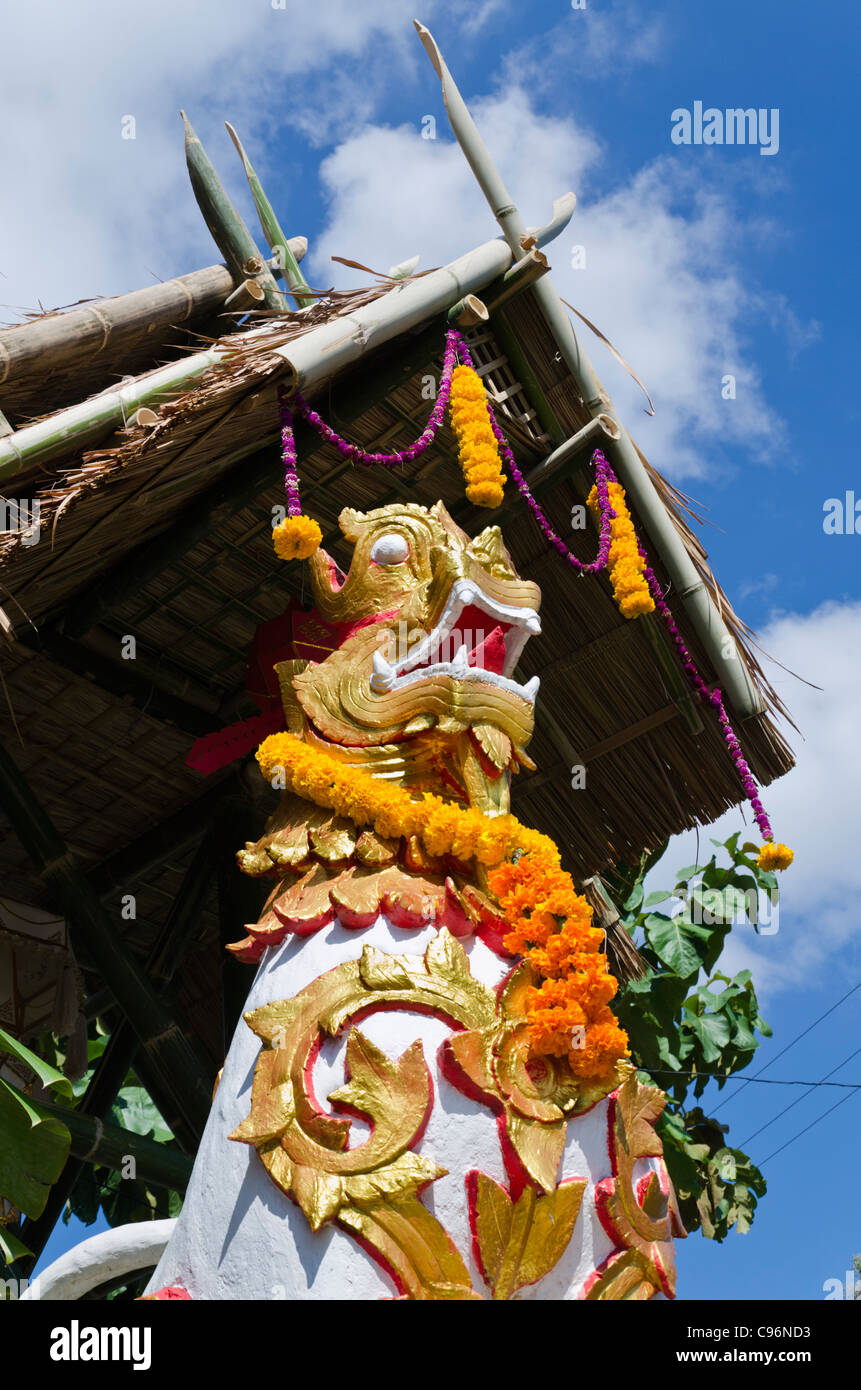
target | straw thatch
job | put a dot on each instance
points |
(106, 770)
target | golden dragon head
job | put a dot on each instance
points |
(423, 679)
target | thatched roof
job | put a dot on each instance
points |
(107, 762)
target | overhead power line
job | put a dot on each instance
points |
(784, 1050)
(812, 1124)
(762, 1081)
(823, 1081)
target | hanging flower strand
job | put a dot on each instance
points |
(356, 454)
(298, 536)
(604, 498)
(771, 855)
(478, 449)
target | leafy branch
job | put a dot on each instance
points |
(689, 1024)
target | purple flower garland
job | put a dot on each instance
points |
(455, 347)
(288, 453)
(603, 475)
(356, 453)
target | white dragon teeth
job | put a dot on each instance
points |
(530, 689)
(533, 625)
(461, 660)
(383, 678)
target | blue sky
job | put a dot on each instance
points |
(700, 262)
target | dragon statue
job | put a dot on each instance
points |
(453, 1163)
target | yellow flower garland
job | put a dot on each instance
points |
(630, 588)
(550, 923)
(774, 856)
(296, 538)
(478, 450)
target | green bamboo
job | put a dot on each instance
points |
(229, 232)
(96, 1142)
(278, 242)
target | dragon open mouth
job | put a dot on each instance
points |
(476, 638)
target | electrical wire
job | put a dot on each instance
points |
(764, 1081)
(812, 1124)
(822, 1081)
(790, 1044)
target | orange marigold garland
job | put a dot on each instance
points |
(626, 565)
(477, 447)
(568, 1013)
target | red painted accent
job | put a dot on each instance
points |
(304, 928)
(453, 915)
(295, 634)
(171, 1292)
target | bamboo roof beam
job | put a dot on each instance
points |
(111, 326)
(688, 582)
(315, 357)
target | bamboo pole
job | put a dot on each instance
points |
(110, 327)
(516, 279)
(160, 1035)
(690, 586)
(468, 312)
(250, 472)
(96, 1142)
(278, 242)
(229, 232)
(321, 353)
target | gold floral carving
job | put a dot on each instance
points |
(519, 1242)
(638, 1211)
(373, 1190)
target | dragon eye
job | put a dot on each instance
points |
(392, 549)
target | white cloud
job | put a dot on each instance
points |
(95, 214)
(592, 42)
(86, 212)
(662, 273)
(816, 809)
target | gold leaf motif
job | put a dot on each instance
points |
(519, 1242)
(375, 1081)
(538, 1146)
(320, 1195)
(640, 1216)
(382, 971)
(494, 744)
(447, 960)
(373, 1189)
(404, 1177)
(375, 849)
(335, 841)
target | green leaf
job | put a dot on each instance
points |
(724, 1162)
(660, 896)
(134, 1110)
(634, 900)
(712, 1032)
(688, 872)
(678, 943)
(48, 1075)
(11, 1247)
(33, 1151)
